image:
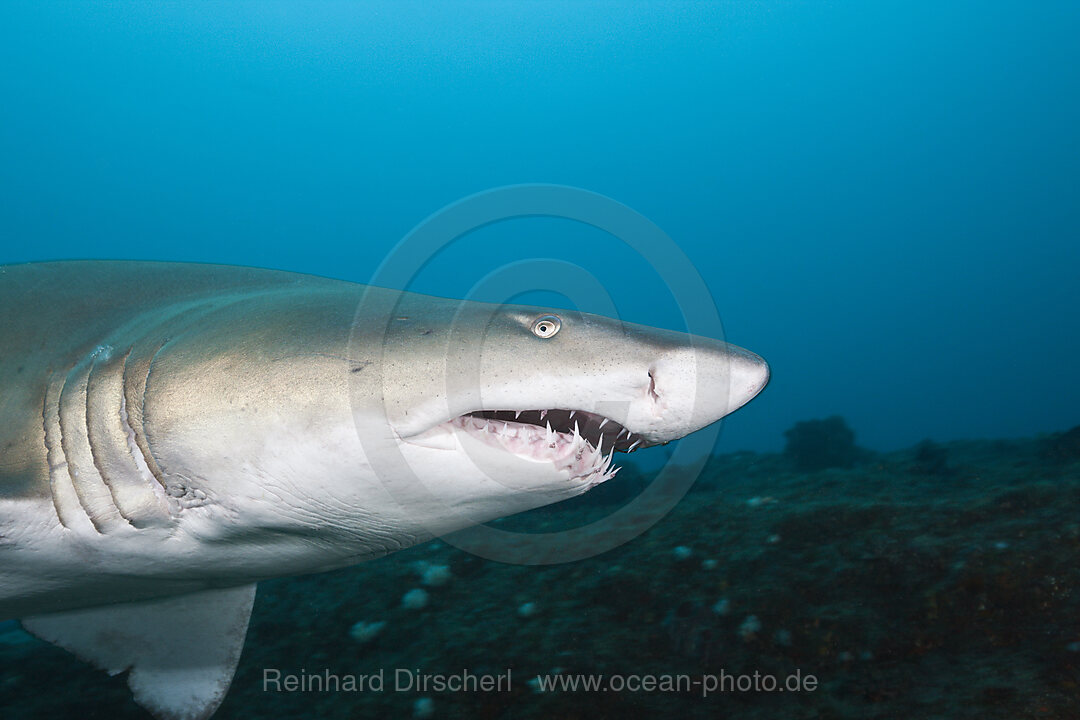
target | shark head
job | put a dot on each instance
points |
(394, 416)
(544, 398)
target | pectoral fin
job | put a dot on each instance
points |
(181, 651)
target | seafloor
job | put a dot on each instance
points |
(938, 582)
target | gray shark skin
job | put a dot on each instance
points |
(171, 434)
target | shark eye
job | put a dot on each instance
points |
(546, 326)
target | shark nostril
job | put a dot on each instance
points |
(652, 387)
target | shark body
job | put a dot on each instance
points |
(171, 434)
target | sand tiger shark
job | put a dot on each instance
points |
(172, 433)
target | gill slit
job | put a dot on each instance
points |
(95, 453)
(143, 448)
(52, 449)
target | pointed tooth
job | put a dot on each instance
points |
(636, 443)
(624, 430)
(572, 414)
(602, 424)
(543, 414)
(517, 414)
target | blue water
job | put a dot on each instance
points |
(881, 197)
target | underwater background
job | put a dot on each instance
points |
(882, 199)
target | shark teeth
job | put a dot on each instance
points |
(570, 451)
(596, 429)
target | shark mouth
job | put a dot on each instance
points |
(581, 443)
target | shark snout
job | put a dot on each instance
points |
(694, 386)
(748, 375)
